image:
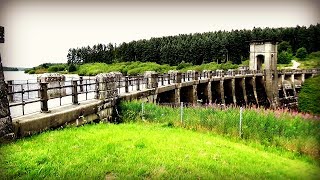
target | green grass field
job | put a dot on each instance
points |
(143, 150)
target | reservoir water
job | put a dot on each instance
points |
(29, 82)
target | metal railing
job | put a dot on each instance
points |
(40, 93)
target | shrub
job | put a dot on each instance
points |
(183, 65)
(284, 46)
(284, 57)
(72, 68)
(56, 68)
(301, 53)
(27, 70)
(245, 63)
(314, 55)
(31, 71)
(309, 96)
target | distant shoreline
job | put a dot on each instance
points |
(13, 68)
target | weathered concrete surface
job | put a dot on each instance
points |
(107, 85)
(152, 79)
(149, 95)
(72, 114)
(53, 80)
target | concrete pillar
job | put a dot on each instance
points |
(255, 89)
(107, 85)
(179, 77)
(152, 79)
(194, 94)
(54, 80)
(196, 75)
(272, 87)
(172, 75)
(293, 83)
(177, 95)
(222, 91)
(243, 83)
(303, 75)
(6, 127)
(209, 92)
(233, 85)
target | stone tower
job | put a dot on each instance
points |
(264, 56)
(263, 52)
(6, 128)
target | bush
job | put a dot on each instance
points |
(31, 71)
(183, 65)
(284, 46)
(72, 68)
(245, 63)
(284, 57)
(314, 55)
(301, 53)
(309, 96)
(56, 68)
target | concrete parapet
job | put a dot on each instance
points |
(231, 72)
(207, 73)
(107, 85)
(54, 80)
(61, 116)
(152, 79)
(190, 75)
(219, 73)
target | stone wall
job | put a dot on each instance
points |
(6, 128)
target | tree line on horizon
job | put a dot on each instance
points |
(197, 48)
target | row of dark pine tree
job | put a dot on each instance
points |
(197, 48)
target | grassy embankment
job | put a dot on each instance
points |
(309, 96)
(279, 129)
(311, 61)
(127, 68)
(143, 150)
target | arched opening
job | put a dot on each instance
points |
(260, 61)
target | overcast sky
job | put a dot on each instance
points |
(38, 31)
